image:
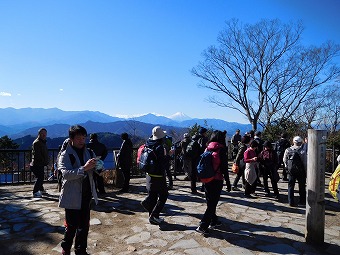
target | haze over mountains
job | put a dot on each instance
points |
(26, 121)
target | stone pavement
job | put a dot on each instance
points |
(120, 226)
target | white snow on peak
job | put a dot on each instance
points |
(179, 116)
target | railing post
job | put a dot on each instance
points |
(315, 206)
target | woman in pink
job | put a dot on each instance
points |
(250, 158)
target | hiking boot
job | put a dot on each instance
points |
(37, 194)
(215, 224)
(202, 231)
(155, 221)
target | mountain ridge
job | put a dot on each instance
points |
(26, 121)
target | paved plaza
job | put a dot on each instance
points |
(120, 226)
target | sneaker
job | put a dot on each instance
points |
(37, 194)
(155, 221)
(202, 231)
(215, 225)
(235, 188)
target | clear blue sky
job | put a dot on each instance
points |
(130, 57)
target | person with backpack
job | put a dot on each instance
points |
(77, 190)
(169, 153)
(193, 151)
(202, 141)
(155, 178)
(101, 151)
(280, 147)
(239, 161)
(268, 163)
(295, 161)
(185, 157)
(214, 187)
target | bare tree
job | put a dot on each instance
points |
(263, 70)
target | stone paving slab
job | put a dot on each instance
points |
(120, 226)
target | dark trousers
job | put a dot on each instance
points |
(212, 193)
(302, 188)
(238, 177)
(99, 182)
(38, 172)
(77, 224)
(267, 173)
(193, 175)
(249, 188)
(127, 176)
(168, 171)
(157, 195)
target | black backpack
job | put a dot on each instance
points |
(295, 165)
(148, 160)
(193, 149)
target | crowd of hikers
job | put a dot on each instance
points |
(202, 157)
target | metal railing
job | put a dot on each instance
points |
(15, 166)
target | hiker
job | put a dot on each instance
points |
(280, 147)
(77, 166)
(250, 158)
(156, 182)
(125, 160)
(100, 150)
(214, 187)
(243, 145)
(235, 140)
(296, 165)
(39, 162)
(268, 163)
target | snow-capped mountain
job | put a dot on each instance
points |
(179, 116)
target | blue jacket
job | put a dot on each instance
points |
(73, 175)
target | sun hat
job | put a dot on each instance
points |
(157, 133)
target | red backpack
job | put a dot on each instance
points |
(139, 152)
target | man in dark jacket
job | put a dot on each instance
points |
(156, 182)
(125, 160)
(280, 147)
(39, 161)
(100, 150)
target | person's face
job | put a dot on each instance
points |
(79, 141)
(43, 134)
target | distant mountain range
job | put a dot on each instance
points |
(17, 123)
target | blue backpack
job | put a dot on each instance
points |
(205, 169)
(148, 160)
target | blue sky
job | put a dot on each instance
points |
(129, 57)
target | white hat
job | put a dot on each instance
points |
(297, 139)
(157, 133)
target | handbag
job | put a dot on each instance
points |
(235, 168)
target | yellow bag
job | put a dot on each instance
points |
(234, 168)
(334, 184)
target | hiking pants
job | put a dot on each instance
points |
(157, 195)
(302, 188)
(38, 172)
(77, 223)
(212, 193)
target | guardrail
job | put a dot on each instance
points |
(15, 166)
